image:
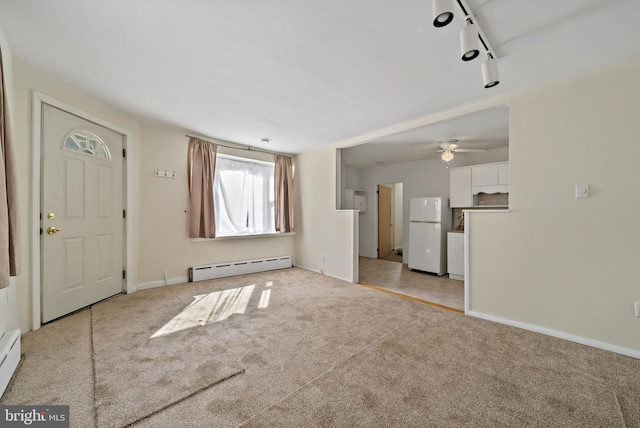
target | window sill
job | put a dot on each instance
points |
(261, 235)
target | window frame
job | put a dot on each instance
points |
(243, 235)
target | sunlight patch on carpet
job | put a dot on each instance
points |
(209, 308)
(264, 299)
(136, 377)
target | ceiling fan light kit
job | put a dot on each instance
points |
(450, 146)
(472, 38)
(447, 156)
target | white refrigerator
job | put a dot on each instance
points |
(429, 220)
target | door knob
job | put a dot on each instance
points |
(53, 230)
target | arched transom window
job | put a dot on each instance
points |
(87, 142)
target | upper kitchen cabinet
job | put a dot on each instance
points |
(460, 195)
(355, 200)
(490, 178)
(503, 173)
(484, 175)
(469, 181)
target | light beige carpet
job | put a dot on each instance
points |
(144, 362)
(57, 369)
(319, 352)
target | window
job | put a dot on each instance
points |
(243, 196)
(87, 142)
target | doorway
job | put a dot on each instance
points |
(82, 254)
(390, 226)
(82, 203)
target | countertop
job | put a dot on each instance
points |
(456, 230)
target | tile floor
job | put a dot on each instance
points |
(396, 277)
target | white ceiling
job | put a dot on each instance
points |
(305, 73)
(487, 129)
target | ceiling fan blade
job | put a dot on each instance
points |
(468, 150)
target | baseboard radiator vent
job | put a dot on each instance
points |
(9, 357)
(222, 270)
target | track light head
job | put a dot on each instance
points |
(442, 12)
(490, 76)
(469, 41)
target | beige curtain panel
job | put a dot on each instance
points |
(202, 165)
(284, 194)
(9, 215)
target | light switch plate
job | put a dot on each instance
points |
(636, 306)
(582, 191)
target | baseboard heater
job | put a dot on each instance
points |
(9, 357)
(222, 270)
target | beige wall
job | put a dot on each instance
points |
(420, 178)
(164, 242)
(321, 230)
(554, 261)
(159, 239)
(27, 80)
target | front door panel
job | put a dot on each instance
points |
(82, 254)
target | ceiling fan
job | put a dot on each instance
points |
(450, 146)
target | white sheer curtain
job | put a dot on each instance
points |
(244, 197)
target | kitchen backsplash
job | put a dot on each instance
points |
(457, 220)
(489, 202)
(500, 199)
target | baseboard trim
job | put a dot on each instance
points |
(324, 273)
(559, 334)
(156, 284)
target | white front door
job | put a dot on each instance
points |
(82, 216)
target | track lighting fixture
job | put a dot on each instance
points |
(472, 39)
(469, 42)
(490, 72)
(442, 12)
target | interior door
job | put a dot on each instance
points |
(384, 222)
(82, 217)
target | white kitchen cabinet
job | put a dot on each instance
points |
(460, 195)
(347, 204)
(359, 202)
(455, 255)
(355, 200)
(484, 175)
(490, 178)
(466, 182)
(503, 173)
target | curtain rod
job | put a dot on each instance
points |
(247, 148)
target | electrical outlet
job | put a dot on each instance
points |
(322, 258)
(636, 306)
